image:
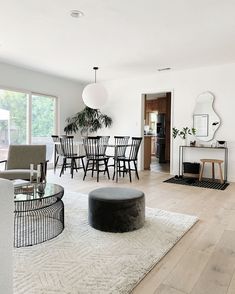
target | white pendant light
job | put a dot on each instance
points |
(94, 95)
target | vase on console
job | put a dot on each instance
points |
(183, 133)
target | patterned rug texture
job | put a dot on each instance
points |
(85, 260)
(196, 183)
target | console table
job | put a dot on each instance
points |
(181, 157)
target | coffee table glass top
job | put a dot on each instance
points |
(30, 192)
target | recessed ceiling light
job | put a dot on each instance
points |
(76, 13)
(165, 68)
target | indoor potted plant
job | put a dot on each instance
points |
(87, 121)
(183, 133)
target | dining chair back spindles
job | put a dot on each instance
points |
(67, 147)
(103, 143)
(131, 158)
(121, 142)
(135, 145)
(95, 148)
(91, 147)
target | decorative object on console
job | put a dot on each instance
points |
(205, 119)
(192, 143)
(220, 143)
(94, 95)
(183, 133)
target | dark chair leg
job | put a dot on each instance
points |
(136, 171)
(75, 165)
(72, 167)
(106, 168)
(107, 163)
(114, 168)
(62, 168)
(83, 164)
(65, 165)
(97, 170)
(119, 168)
(93, 168)
(129, 168)
(85, 171)
(124, 169)
(56, 162)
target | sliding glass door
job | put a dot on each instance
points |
(43, 121)
(26, 118)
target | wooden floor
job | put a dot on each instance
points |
(203, 261)
(155, 166)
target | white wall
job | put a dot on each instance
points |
(125, 103)
(67, 91)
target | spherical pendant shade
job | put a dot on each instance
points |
(94, 95)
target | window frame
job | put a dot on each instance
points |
(29, 110)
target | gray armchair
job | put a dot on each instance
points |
(17, 166)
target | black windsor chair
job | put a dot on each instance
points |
(95, 148)
(131, 158)
(69, 156)
(120, 143)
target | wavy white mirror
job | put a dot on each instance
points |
(205, 120)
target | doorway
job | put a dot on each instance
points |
(157, 131)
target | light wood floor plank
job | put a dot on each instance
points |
(217, 275)
(231, 288)
(183, 277)
(165, 289)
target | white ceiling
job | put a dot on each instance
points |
(125, 38)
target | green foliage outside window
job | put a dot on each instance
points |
(17, 104)
(42, 116)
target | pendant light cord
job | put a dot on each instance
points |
(95, 69)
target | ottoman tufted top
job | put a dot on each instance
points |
(113, 194)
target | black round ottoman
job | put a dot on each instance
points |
(116, 210)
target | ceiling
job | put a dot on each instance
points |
(125, 38)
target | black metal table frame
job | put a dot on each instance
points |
(181, 158)
(37, 220)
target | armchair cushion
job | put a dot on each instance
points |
(20, 156)
(11, 174)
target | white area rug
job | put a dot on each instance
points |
(85, 260)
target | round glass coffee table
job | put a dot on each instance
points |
(39, 216)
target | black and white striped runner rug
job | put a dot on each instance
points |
(196, 183)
